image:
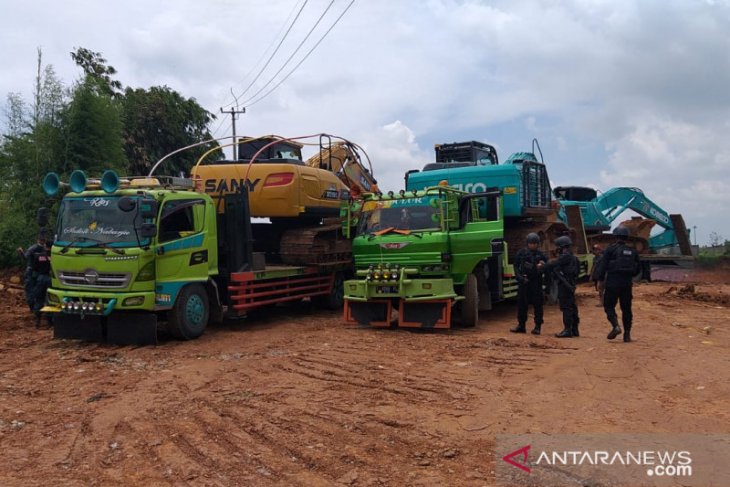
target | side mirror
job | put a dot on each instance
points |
(148, 208)
(148, 230)
(42, 217)
(126, 204)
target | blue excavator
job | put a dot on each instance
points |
(669, 247)
(600, 211)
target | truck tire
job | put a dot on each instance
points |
(470, 303)
(188, 318)
(336, 298)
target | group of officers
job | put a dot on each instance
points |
(613, 272)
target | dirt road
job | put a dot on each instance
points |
(298, 398)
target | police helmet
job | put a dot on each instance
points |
(563, 241)
(621, 231)
(533, 238)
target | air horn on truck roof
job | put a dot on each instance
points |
(110, 182)
(78, 182)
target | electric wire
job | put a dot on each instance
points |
(249, 102)
(271, 57)
(292, 54)
(263, 54)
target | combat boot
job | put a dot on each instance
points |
(536, 330)
(575, 328)
(520, 328)
(566, 333)
(615, 331)
(627, 333)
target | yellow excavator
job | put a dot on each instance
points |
(301, 198)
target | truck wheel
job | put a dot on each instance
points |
(189, 317)
(470, 304)
(336, 298)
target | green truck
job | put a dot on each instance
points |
(128, 253)
(422, 253)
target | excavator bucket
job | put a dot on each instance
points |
(680, 230)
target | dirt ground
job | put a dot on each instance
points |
(295, 397)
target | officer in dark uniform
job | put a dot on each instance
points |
(619, 265)
(37, 274)
(529, 280)
(565, 270)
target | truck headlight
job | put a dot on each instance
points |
(133, 301)
(147, 272)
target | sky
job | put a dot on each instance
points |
(618, 93)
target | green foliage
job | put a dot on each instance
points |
(92, 132)
(710, 261)
(158, 121)
(15, 232)
(93, 126)
(97, 71)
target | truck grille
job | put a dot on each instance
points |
(92, 278)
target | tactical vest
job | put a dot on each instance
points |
(624, 261)
(41, 262)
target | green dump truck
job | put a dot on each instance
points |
(424, 253)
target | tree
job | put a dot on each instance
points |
(92, 131)
(715, 239)
(158, 121)
(95, 68)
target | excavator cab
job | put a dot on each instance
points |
(575, 193)
(281, 151)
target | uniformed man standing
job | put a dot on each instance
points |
(565, 270)
(529, 281)
(37, 274)
(618, 267)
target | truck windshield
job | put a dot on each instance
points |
(414, 214)
(96, 221)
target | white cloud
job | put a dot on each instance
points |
(642, 84)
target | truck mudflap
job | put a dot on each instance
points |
(425, 314)
(117, 329)
(374, 313)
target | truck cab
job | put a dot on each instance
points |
(421, 253)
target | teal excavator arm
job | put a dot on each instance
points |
(616, 200)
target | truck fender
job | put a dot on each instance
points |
(485, 296)
(216, 309)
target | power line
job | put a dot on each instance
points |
(220, 124)
(292, 54)
(300, 62)
(261, 71)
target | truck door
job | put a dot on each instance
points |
(182, 254)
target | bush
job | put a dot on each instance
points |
(15, 231)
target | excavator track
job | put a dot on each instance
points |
(320, 245)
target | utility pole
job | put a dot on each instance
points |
(694, 230)
(233, 112)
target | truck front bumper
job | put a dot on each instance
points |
(421, 303)
(90, 303)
